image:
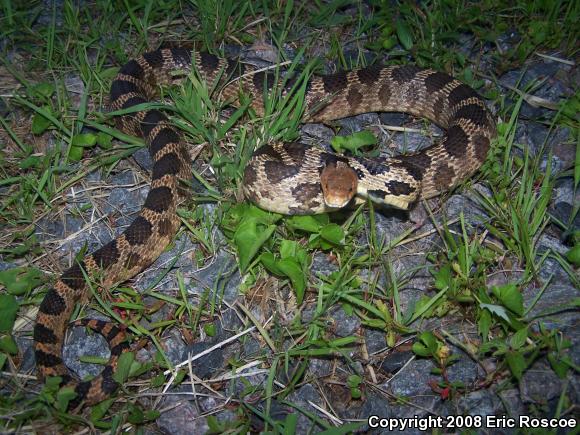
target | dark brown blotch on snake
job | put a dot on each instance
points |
(405, 74)
(473, 113)
(159, 199)
(335, 82)
(169, 164)
(370, 75)
(454, 144)
(398, 187)
(107, 255)
(437, 82)
(53, 303)
(165, 136)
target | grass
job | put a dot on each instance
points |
(55, 72)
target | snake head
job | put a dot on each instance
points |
(339, 184)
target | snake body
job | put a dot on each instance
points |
(284, 177)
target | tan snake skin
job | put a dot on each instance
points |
(285, 178)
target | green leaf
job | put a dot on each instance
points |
(75, 154)
(498, 310)
(353, 142)
(420, 349)
(210, 329)
(332, 233)
(179, 377)
(516, 363)
(293, 249)
(8, 309)
(39, 122)
(443, 277)
(91, 359)
(353, 381)
(43, 90)
(151, 414)
(20, 280)
(270, 263)
(355, 393)
(289, 248)
(484, 324)
(52, 383)
(404, 34)
(290, 421)
(104, 140)
(249, 237)
(157, 381)
(560, 367)
(138, 368)
(519, 338)
(63, 397)
(136, 415)
(84, 140)
(129, 306)
(426, 345)
(309, 224)
(510, 297)
(577, 161)
(216, 426)
(115, 423)
(390, 42)
(30, 162)
(573, 255)
(8, 345)
(429, 340)
(99, 410)
(124, 367)
(292, 270)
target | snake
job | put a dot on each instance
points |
(288, 178)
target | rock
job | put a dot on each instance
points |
(375, 405)
(208, 365)
(343, 324)
(352, 124)
(143, 159)
(480, 402)
(551, 88)
(539, 384)
(302, 397)
(75, 88)
(317, 134)
(321, 264)
(181, 418)
(556, 309)
(375, 340)
(320, 368)
(83, 343)
(395, 361)
(513, 404)
(464, 370)
(413, 380)
(508, 40)
(395, 119)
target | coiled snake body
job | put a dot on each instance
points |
(288, 178)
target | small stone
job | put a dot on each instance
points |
(539, 384)
(395, 361)
(413, 380)
(481, 402)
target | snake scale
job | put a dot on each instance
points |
(288, 178)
